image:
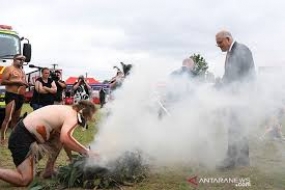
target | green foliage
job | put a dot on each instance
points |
(39, 184)
(126, 170)
(201, 66)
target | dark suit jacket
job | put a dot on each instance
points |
(239, 66)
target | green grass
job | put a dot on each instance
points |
(267, 170)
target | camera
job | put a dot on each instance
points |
(81, 79)
(54, 76)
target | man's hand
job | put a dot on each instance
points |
(93, 155)
(21, 83)
(26, 84)
(82, 81)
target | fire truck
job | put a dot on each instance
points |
(11, 44)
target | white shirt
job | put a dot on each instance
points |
(231, 46)
(229, 51)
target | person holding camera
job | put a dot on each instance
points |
(60, 85)
(81, 89)
(117, 81)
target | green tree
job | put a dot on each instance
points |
(201, 66)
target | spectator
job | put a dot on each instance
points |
(81, 89)
(187, 68)
(60, 85)
(44, 92)
(181, 77)
(117, 81)
(15, 83)
(102, 97)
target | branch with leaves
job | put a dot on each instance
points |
(201, 66)
(127, 170)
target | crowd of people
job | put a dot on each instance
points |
(50, 126)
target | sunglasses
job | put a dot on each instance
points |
(20, 59)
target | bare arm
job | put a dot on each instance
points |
(112, 84)
(88, 86)
(75, 86)
(6, 81)
(69, 141)
(52, 89)
(62, 84)
(39, 87)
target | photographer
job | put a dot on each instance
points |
(60, 85)
(81, 89)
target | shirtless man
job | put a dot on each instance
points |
(45, 130)
(13, 78)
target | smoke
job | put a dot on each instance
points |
(194, 128)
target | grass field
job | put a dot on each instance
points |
(267, 170)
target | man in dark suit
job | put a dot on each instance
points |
(239, 69)
(239, 66)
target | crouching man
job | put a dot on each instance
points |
(45, 130)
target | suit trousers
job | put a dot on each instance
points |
(238, 148)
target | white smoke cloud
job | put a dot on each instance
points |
(196, 129)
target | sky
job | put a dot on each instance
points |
(91, 36)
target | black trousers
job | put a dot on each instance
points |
(102, 97)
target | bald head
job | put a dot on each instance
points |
(224, 34)
(188, 63)
(224, 40)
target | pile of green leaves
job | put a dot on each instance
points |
(39, 184)
(126, 170)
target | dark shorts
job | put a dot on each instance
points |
(19, 143)
(36, 106)
(19, 99)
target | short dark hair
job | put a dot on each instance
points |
(43, 69)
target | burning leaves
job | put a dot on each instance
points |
(127, 170)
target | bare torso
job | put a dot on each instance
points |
(48, 120)
(16, 74)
